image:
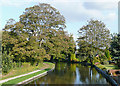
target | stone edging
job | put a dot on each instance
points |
(33, 78)
(109, 78)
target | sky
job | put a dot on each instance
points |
(76, 12)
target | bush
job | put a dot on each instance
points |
(6, 62)
(73, 57)
(105, 62)
(14, 65)
(107, 54)
(32, 62)
(103, 58)
(95, 60)
(19, 64)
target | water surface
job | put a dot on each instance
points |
(71, 74)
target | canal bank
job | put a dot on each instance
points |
(104, 74)
(34, 77)
(24, 78)
(109, 78)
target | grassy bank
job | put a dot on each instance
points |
(17, 80)
(108, 67)
(26, 68)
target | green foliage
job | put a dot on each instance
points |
(102, 58)
(115, 45)
(96, 59)
(93, 38)
(6, 62)
(19, 64)
(105, 62)
(107, 54)
(73, 57)
(108, 67)
(14, 65)
(37, 36)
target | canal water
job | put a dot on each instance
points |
(65, 73)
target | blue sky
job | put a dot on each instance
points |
(76, 12)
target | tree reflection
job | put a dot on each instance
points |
(71, 74)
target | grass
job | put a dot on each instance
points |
(50, 64)
(26, 68)
(17, 80)
(110, 66)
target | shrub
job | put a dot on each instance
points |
(103, 58)
(73, 57)
(107, 54)
(96, 59)
(105, 62)
(14, 65)
(19, 64)
(6, 62)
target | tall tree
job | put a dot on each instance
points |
(93, 37)
(39, 18)
(39, 34)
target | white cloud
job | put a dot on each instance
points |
(101, 5)
(75, 10)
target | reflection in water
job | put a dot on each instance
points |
(71, 74)
(77, 80)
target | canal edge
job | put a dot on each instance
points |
(109, 78)
(34, 77)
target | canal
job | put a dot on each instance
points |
(65, 73)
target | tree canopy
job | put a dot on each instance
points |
(115, 45)
(38, 35)
(93, 37)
